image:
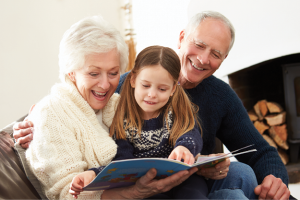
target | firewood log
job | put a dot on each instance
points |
(270, 141)
(252, 115)
(261, 126)
(276, 119)
(274, 107)
(279, 135)
(261, 109)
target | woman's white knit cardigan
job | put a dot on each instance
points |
(68, 139)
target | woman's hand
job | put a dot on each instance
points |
(181, 152)
(23, 131)
(80, 181)
(219, 171)
(148, 186)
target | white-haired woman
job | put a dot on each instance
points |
(72, 122)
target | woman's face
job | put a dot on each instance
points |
(99, 78)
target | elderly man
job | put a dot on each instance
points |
(203, 46)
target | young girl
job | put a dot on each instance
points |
(155, 118)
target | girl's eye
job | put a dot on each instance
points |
(162, 89)
(145, 86)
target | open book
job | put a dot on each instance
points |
(126, 172)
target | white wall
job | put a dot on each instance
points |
(159, 22)
(265, 29)
(29, 38)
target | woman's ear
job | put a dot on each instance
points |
(132, 81)
(72, 76)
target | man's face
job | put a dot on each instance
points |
(202, 52)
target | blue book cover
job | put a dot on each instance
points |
(123, 173)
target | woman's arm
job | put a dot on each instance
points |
(55, 155)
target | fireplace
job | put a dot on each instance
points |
(275, 80)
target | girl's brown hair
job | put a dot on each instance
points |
(184, 112)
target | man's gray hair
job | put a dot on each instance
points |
(89, 36)
(198, 18)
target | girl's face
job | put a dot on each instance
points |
(153, 88)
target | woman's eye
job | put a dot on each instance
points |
(93, 74)
(114, 74)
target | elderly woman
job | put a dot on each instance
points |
(72, 122)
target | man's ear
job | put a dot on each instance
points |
(132, 81)
(181, 37)
(72, 76)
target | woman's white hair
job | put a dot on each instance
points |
(198, 18)
(89, 36)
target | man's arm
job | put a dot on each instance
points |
(237, 131)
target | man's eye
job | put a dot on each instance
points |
(216, 55)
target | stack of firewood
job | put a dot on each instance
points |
(270, 120)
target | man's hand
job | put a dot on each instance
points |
(23, 133)
(219, 171)
(272, 188)
(181, 152)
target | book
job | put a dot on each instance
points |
(123, 173)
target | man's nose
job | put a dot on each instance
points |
(103, 82)
(204, 58)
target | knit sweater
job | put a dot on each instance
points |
(223, 115)
(68, 139)
(154, 140)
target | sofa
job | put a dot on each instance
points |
(14, 182)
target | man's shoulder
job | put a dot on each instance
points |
(121, 81)
(215, 85)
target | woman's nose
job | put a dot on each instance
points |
(103, 82)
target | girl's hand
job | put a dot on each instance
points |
(79, 181)
(219, 171)
(180, 152)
